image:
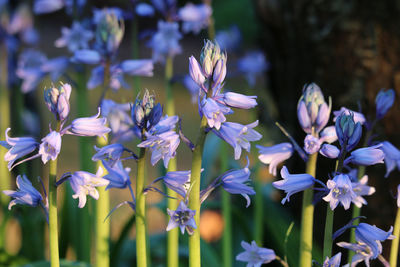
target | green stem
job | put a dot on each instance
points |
(259, 213)
(394, 250)
(86, 164)
(226, 212)
(172, 235)
(194, 197)
(307, 217)
(53, 224)
(327, 251)
(141, 254)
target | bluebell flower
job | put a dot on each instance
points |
(229, 40)
(162, 146)
(85, 183)
(26, 195)
(165, 42)
(366, 156)
(333, 262)
(235, 182)
(312, 110)
(47, 6)
(50, 146)
(195, 71)
(348, 131)
(384, 101)
(75, 38)
(210, 54)
(117, 175)
(328, 134)
(166, 123)
(118, 119)
(341, 191)
(29, 69)
(57, 101)
(55, 67)
(116, 78)
(293, 183)
(90, 126)
(275, 155)
(146, 113)
(18, 147)
(311, 144)
(329, 151)
(138, 67)
(144, 10)
(239, 101)
(253, 64)
(362, 252)
(372, 237)
(21, 20)
(178, 181)
(238, 136)
(86, 56)
(361, 188)
(109, 30)
(112, 153)
(357, 116)
(214, 112)
(392, 157)
(254, 255)
(182, 217)
(194, 17)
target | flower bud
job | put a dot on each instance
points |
(145, 113)
(219, 72)
(312, 110)
(209, 57)
(348, 132)
(384, 101)
(366, 156)
(329, 151)
(109, 31)
(311, 144)
(195, 71)
(57, 101)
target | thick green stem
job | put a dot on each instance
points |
(53, 224)
(307, 217)
(328, 232)
(172, 235)
(141, 248)
(227, 213)
(102, 225)
(194, 197)
(394, 250)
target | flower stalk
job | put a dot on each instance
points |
(394, 250)
(226, 212)
(141, 248)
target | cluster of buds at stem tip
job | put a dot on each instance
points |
(312, 110)
(212, 65)
(145, 112)
(57, 100)
(348, 131)
(109, 31)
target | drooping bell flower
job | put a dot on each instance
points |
(341, 191)
(75, 38)
(328, 134)
(111, 153)
(361, 189)
(25, 195)
(89, 126)
(165, 42)
(275, 155)
(182, 217)
(384, 101)
(117, 175)
(392, 157)
(366, 156)
(372, 237)
(254, 255)
(194, 17)
(50, 146)
(334, 261)
(329, 151)
(312, 110)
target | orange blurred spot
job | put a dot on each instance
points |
(211, 225)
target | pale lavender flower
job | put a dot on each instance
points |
(357, 116)
(253, 64)
(384, 101)
(75, 38)
(333, 262)
(238, 136)
(341, 191)
(26, 195)
(111, 153)
(86, 56)
(214, 112)
(117, 175)
(144, 10)
(85, 183)
(392, 157)
(254, 255)
(361, 188)
(236, 182)
(311, 144)
(293, 183)
(118, 119)
(166, 123)
(328, 134)
(236, 100)
(178, 181)
(194, 17)
(275, 155)
(162, 146)
(229, 39)
(18, 147)
(329, 151)
(165, 41)
(90, 126)
(47, 6)
(366, 156)
(372, 237)
(138, 67)
(363, 252)
(50, 146)
(195, 71)
(182, 217)
(29, 69)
